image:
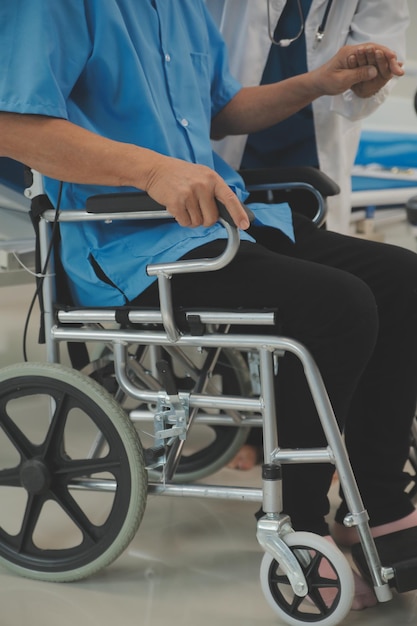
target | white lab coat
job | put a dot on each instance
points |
(337, 119)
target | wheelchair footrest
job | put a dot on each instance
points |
(397, 551)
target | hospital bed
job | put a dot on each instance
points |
(384, 177)
(17, 241)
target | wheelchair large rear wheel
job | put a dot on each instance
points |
(65, 513)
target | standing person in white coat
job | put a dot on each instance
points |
(306, 33)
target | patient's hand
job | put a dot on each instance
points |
(189, 192)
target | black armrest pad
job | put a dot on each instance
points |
(311, 175)
(133, 201)
(139, 201)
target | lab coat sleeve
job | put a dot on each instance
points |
(383, 22)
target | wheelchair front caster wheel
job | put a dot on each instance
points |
(329, 579)
(65, 512)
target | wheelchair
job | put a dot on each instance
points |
(120, 422)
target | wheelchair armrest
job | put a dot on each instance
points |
(138, 201)
(109, 207)
(138, 205)
(305, 189)
(129, 202)
(311, 175)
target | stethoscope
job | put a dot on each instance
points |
(286, 42)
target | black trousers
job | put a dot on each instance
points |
(353, 304)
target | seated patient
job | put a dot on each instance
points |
(110, 97)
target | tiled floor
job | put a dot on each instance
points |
(193, 561)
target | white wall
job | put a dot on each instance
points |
(408, 84)
(398, 112)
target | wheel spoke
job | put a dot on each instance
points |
(91, 534)
(317, 599)
(10, 477)
(30, 519)
(86, 467)
(15, 435)
(280, 579)
(317, 582)
(295, 604)
(55, 434)
(313, 572)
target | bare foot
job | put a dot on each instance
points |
(364, 596)
(245, 459)
(348, 536)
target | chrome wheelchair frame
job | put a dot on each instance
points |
(117, 463)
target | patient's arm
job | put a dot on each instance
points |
(256, 108)
(64, 151)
